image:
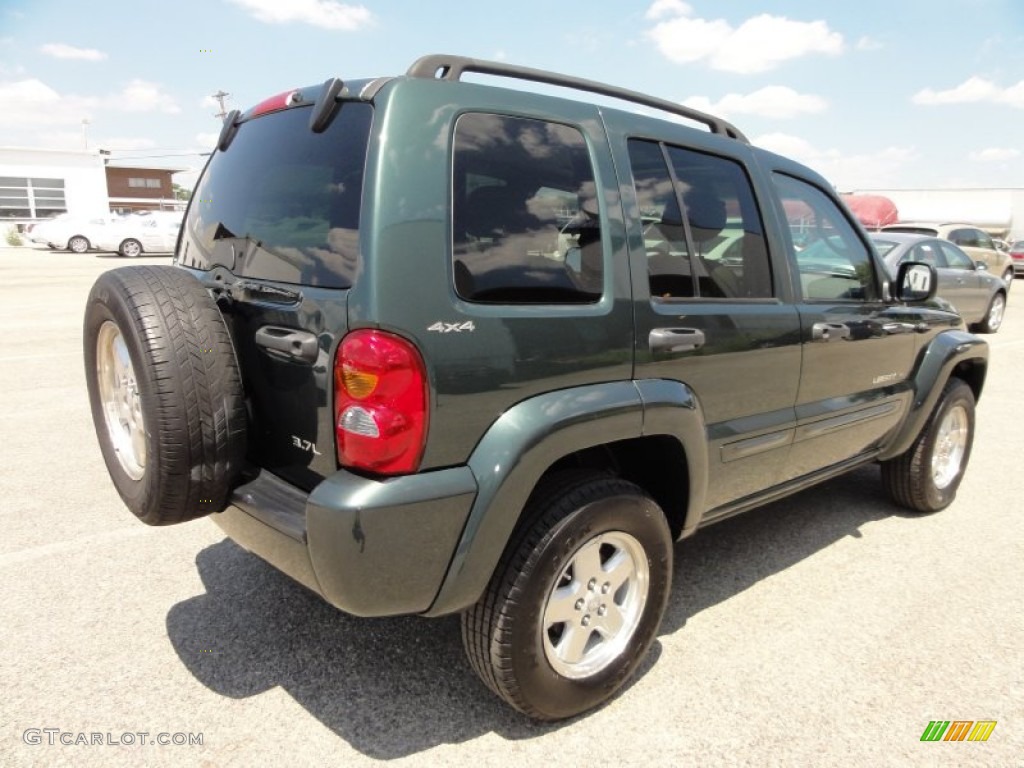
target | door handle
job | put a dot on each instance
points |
(673, 340)
(829, 331)
(287, 343)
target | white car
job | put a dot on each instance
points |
(73, 233)
(150, 232)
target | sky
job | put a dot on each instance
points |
(872, 94)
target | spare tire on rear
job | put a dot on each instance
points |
(166, 393)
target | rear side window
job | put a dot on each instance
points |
(282, 203)
(526, 228)
(702, 231)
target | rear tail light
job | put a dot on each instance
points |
(380, 403)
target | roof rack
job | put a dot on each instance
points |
(444, 67)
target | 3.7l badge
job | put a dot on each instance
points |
(305, 445)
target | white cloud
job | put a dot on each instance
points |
(33, 102)
(143, 96)
(207, 140)
(868, 44)
(774, 101)
(844, 170)
(328, 14)
(62, 51)
(758, 44)
(994, 155)
(972, 91)
(661, 8)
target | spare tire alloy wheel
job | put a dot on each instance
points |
(576, 600)
(927, 476)
(119, 395)
(165, 391)
(130, 248)
(78, 244)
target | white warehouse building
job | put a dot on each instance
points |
(999, 211)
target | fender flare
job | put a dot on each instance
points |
(527, 439)
(936, 364)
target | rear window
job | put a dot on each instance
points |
(282, 203)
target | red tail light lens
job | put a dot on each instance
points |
(380, 403)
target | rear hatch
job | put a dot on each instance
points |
(273, 230)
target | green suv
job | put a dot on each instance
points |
(432, 346)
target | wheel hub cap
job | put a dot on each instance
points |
(596, 604)
(120, 400)
(950, 447)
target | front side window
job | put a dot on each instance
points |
(702, 231)
(526, 226)
(955, 258)
(832, 261)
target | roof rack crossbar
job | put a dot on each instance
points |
(443, 67)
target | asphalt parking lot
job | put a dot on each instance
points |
(827, 629)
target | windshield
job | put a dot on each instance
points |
(282, 202)
(883, 246)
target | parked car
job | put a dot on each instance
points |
(975, 242)
(72, 233)
(1017, 254)
(354, 249)
(145, 232)
(978, 295)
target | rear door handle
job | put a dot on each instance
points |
(829, 331)
(672, 340)
(288, 343)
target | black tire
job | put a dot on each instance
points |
(171, 420)
(920, 479)
(130, 248)
(78, 244)
(504, 634)
(994, 314)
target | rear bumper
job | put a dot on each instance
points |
(368, 547)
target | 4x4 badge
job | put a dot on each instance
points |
(441, 327)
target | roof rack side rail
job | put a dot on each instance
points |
(443, 67)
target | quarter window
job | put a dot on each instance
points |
(525, 215)
(833, 263)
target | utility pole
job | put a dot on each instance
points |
(220, 96)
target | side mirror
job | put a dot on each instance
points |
(915, 282)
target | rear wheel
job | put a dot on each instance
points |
(927, 476)
(130, 248)
(577, 598)
(165, 392)
(78, 244)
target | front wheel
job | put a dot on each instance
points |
(1008, 278)
(130, 248)
(577, 598)
(926, 477)
(994, 316)
(78, 244)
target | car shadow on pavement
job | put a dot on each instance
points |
(397, 686)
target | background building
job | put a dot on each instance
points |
(41, 183)
(999, 211)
